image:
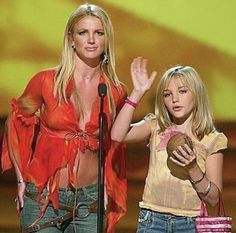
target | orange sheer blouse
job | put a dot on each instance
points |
(45, 138)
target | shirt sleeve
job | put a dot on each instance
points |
(218, 143)
(31, 99)
(115, 172)
(20, 126)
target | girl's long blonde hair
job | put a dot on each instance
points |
(66, 67)
(202, 122)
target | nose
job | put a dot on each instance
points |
(175, 97)
(91, 38)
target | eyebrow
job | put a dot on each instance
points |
(178, 88)
(97, 29)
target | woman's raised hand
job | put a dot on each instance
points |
(142, 81)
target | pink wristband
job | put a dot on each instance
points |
(131, 103)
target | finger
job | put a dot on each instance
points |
(180, 157)
(153, 76)
(188, 149)
(176, 161)
(134, 62)
(132, 67)
(135, 65)
(17, 204)
(21, 204)
(143, 65)
(21, 201)
(183, 152)
(133, 72)
(140, 63)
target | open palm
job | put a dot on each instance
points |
(141, 80)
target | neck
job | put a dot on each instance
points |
(86, 72)
(185, 126)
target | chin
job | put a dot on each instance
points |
(179, 119)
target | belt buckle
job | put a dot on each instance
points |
(36, 227)
(79, 205)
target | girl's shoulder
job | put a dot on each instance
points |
(151, 119)
(215, 141)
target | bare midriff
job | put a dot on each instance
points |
(85, 170)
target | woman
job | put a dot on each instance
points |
(56, 163)
(176, 183)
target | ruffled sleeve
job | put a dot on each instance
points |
(116, 184)
(218, 143)
(20, 127)
(115, 172)
(210, 144)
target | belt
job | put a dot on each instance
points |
(92, 208)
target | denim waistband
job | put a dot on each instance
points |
(167, 216)
(86, 190)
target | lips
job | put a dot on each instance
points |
(177, 108)
(91, 48)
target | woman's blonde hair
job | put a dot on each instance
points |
(66, 67)
(202, 123)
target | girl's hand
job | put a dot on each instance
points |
(141, 80)
(184, 157)
(20, 196)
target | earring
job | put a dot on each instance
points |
(105, 58)
(73, 45)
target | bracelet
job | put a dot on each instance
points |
(131, 103)
(197, 181)
(206, 191)
(20, 181)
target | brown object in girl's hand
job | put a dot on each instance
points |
(178, 139)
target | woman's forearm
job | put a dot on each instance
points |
(9, 144)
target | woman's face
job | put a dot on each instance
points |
(178, 100)
(89, 38)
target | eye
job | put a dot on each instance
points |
(183, 91)
(81, 33)
(100, 33)
(166, 94)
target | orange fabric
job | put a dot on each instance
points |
(58, 139)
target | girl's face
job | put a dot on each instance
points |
(178, 100)
(88, 38)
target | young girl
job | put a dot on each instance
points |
(176, 184)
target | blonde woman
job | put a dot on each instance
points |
(176, 184)
(52, 133)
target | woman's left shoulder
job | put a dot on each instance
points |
(49, 74)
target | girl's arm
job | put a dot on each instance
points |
(208, 188)
(207, 184)
(142, 82)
